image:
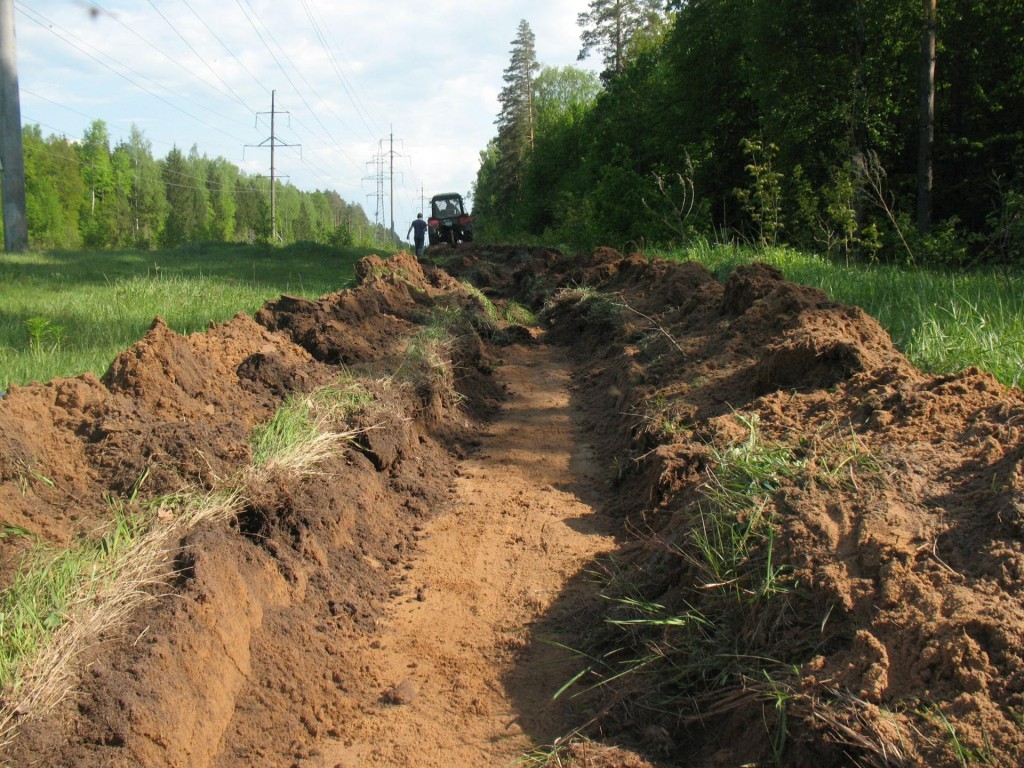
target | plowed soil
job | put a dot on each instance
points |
(508, 515)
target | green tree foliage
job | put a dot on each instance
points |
(488, 203)
(221, 177)
(181, 225)
(792, 121)
(252, 210)
(84, 193)
(54, 189)
(139, 181)
(563, 99)
(99, 207)
(617, 29)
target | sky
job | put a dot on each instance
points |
(415, 84)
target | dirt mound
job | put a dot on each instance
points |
(819, 562)
(895, 633)
(260, 614)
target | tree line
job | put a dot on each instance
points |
(83, 194)
(877, 129)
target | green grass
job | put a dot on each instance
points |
(732, 603)
(303, 431)
(64, 313)
(61, 600)
(720, 634)
(942, 321)
(46, 586)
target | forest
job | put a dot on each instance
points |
(863, 129)
(83, 194)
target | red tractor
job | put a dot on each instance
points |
(449, 220)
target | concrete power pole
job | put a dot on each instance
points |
(273, 194)
(12, 155)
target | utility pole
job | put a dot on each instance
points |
(12, 155)
(391, 178)
(273, 143)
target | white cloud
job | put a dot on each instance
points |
(429, 73)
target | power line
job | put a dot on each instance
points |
(318, 130)
(298, 91)
(70, 38)
(199, 56)
(225, 47)
(346, 86)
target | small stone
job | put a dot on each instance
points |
(399, 695)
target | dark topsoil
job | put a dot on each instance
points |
(898, 635)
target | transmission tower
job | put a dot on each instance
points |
(378, 180)
(384, 163)
(273, 143)
(390, 157)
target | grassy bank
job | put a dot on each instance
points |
(64, 313)
(942, 321)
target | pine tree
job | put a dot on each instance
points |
(611, 26)
(517, 118)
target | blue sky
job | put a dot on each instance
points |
(347, 75)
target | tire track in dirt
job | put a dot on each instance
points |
(458, 641)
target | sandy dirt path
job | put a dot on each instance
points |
(462, 676)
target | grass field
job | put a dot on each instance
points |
(942, 321)
(64, 313)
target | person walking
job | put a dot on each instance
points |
(421, 231)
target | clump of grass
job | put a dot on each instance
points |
(430, 353)
(304, 431)
(572, 751)
(702, 624)
(701, 647)
(512, 312)
(44, 336)
(48, 583)
(662, 417)
(585, 301)
(487, 307)
(517, 314)
(738, 586)
(964, 754)
(64, 600)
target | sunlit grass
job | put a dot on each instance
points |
(304, 430)
(942, 321)
(65, 313)
(47, 585)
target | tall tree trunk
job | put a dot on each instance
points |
(926, 118)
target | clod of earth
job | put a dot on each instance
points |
(674, 522)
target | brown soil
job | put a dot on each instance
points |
(410, 604)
